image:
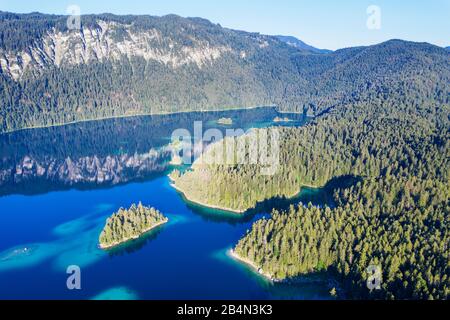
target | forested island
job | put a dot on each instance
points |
(125, 225)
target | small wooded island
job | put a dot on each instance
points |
(125, 225)
(225, 121)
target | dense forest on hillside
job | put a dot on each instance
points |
(360, 139)
(396, 217)
(252, 70)
(405, 233)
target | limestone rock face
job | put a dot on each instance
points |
(107, 41)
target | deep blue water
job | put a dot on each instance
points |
(43, 233)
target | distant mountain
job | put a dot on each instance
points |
(299, 44)
(127, 65)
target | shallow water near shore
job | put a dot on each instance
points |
(57, 224)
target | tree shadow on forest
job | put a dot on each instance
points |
(321, 196)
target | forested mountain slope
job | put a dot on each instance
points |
(127, 65)
(360, 139)
(396, 217)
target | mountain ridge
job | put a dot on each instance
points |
(299, 44)
(127, 65)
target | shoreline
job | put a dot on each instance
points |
(210, 206)
(252, 265)
(305, 278)
(115, 244)
(144, 114)
(297, 194)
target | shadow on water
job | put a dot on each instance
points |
(343, 182)
(219, 216)
(315, 285)
(44, 186)
(322, 196)
(137, 244)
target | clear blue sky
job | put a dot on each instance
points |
(328, 24)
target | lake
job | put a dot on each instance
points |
(58, 185)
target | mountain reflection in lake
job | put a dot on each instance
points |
(58, 186)
(107, 152)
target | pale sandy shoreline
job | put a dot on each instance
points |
(305, 278)
(211, 206)
(115, 244)
(251, 264)
(172, 184)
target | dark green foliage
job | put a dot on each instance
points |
(272, 73)
(364, 139)
(383, 116)
(406, 235)
(129, 224)
(397, 217)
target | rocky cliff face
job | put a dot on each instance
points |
(108, 40)
(132, 65)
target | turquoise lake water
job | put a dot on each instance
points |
(52, 220)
